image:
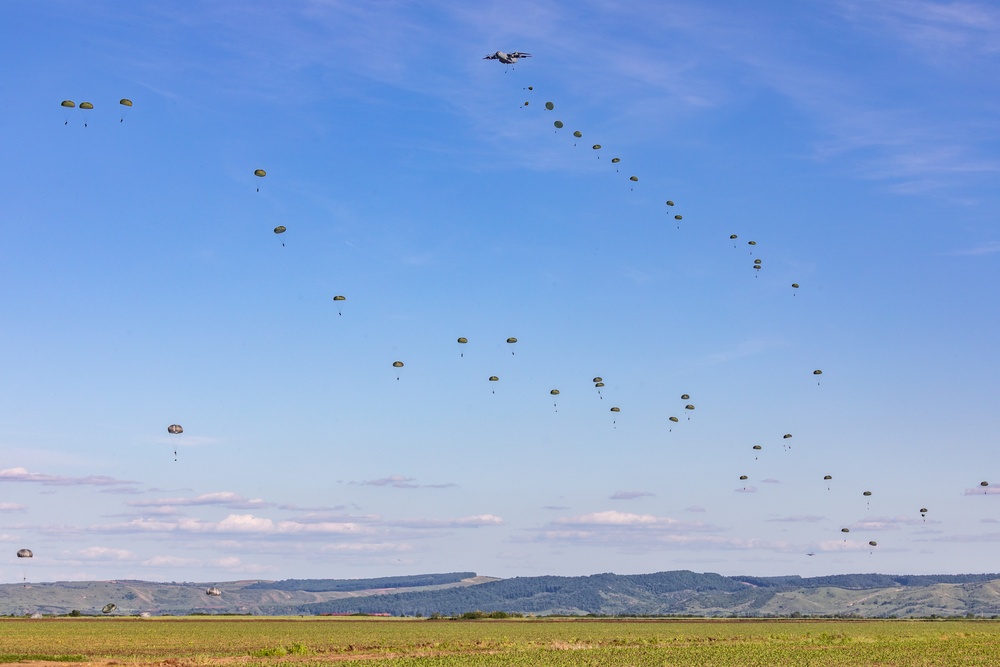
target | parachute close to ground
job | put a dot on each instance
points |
(213, 591)
(108, 608)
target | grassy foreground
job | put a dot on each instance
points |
(520, 643)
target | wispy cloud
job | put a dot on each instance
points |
(475, 521)
(226, 499)
(799, 518)
(12, 507)
(983, 491)
(988, 248)
(630, 495)
(22, 475)
(402, 482)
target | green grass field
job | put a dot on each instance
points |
(636, 643)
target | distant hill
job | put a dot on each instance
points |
(662, 593)
(350, 585)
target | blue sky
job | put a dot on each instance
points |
(855, 143)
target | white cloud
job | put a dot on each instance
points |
(105, 554)
(12, 507)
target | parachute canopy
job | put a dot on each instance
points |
(689, 407)
(558, 124)
(751, 243)
(578, 134)
(670, 202)
(280, 229)
(397, 364)
(678, 217)
(873, 543)
(867, 493)
(125, 102)
(86, 105)
(598, 379)
(684, 397)
(213, 591)
(511, 340)
(340, 298)
(787, 436)
(109, 607)
(25, 553)
(175, 429)
(827, 477)
(733, 237)
(598, 384)
(845, 530)
(463, 340)
(260, 173)
(69, 104)
(554, 392)
(615, 160)
(596, 147)
(494, 378)
(616, 409)
(795, 285)
(673, 419)
(817, 372)
(634, 178)
(743, 477)
(757, 447)
(550, 106)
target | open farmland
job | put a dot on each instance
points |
(200, 641)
